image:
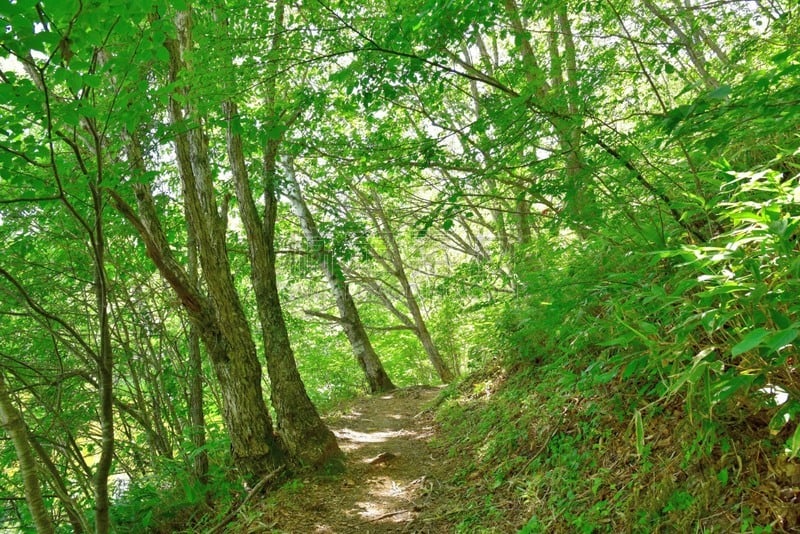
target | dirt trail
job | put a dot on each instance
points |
(395, 480)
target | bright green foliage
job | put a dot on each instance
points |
(595, 206)
(170, 499)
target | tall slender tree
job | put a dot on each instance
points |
(303, 431)
(349, 318)
(393, 262)
(11, 421)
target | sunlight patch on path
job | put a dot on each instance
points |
(351, 440)
(390, 477)
(390, 501)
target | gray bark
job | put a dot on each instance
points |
(395, 266)
(196, 405)
(377, 378)
(305, 436)
(11, 422)
(580, 203)
(256, 450)
(695, 56)
(223, 323)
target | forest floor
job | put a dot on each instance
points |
(396, 479)
(517, 448)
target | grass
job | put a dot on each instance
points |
(539, 453)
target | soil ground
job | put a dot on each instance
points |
(396, 480)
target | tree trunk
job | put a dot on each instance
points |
(306, 437)
(105, 377)
(565, 119)
(580, 203)
(396, 267)
(499, 226)
(522, 209)
(196, 411)
(11, 421)
(304, 434)
(77, 521)
(695, 56)
(255, 448)
(224, 325)
(368, 360)
(688, 12)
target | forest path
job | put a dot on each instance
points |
(395, 480)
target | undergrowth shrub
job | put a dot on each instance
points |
(682, 363)
(740, 320)
(171, 499)
(716, 322)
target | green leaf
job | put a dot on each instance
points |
(675, 116)
(161, 53)
(74, 81)
(648, 328)
(725, 388)
(637, 420)
(275, 132)
(722, 476)
(635, 366)
(622, 340)
(750, 341)
(781, 58)
(714, 141)
(780, 320)
(782, 416)
(780, 339)
(720, 93)
(693, 373)
(794, 443)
